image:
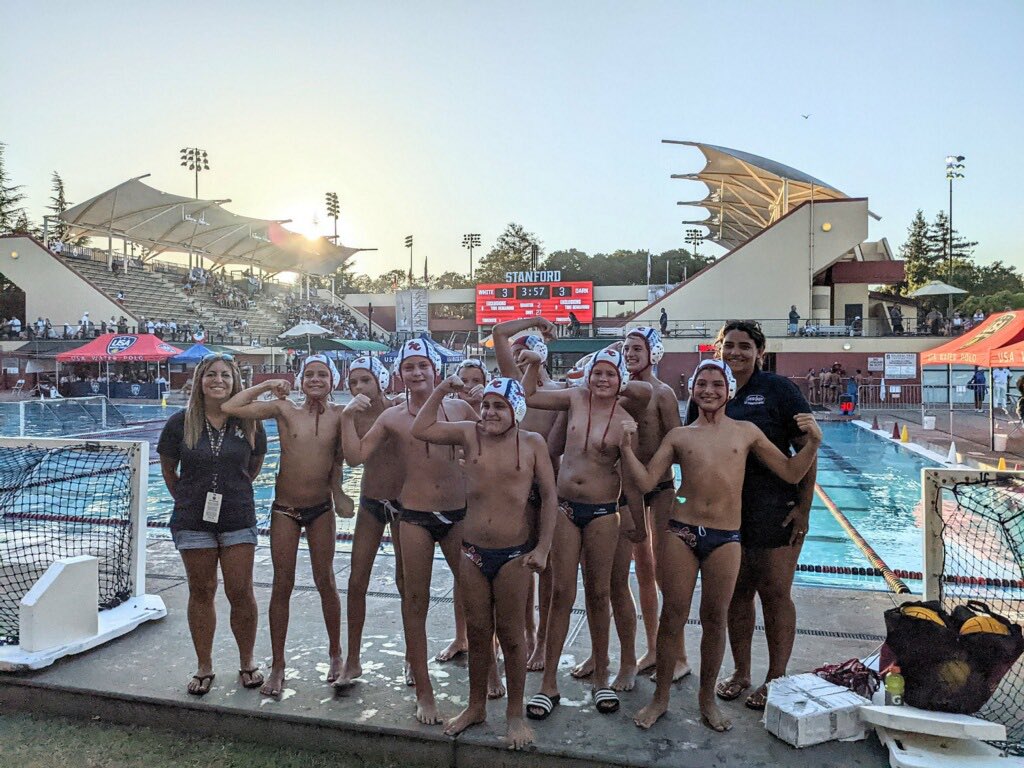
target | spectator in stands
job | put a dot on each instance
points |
(1000, 384)
(122, 324)
(896, 318)
(120, 297)
(663, 321)
(979, 386)
(209, 461)
(150, 326)
(40, 328)
(574, 325)
(933, 320)
(84, 322)
(69, 331)
(15, 328)
(794, 319)
(979, 318)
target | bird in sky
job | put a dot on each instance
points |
(805, 116)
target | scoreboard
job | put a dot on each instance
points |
(514, 301)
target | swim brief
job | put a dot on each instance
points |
(489, 560)
(303, 516)
(583, 514)
(702, 541)
(385, 510)
(437, 524)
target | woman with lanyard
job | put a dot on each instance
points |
(209, 461)
(775, 514)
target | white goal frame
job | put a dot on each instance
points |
(112, 622)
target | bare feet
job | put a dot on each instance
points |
(456, 647)
(426, 711)
(535, 663)
(469, 716)
(649, 715)
(731, 687)
(713, 718)
(586, 669)
(410, 679)
(335, 669)
(625, 679)
(518, 734)
(495, 686)
(647, 661)
(274, 683)
(352, 670)
(682, 670)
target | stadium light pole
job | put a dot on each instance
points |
(471, 241)
(196, 160)
(334, 211)
(954, 170)
(408, 244)
(695, 238)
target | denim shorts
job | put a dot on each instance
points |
(211, 540)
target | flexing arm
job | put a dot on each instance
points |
(426, 427)
(645, 478)
(637, 394)
(502, 332)
(245, 406)
(790, 468)
(356, 450)
(544, 399)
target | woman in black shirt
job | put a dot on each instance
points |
(209, 462)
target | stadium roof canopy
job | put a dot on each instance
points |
(163, 222)
(747, 193)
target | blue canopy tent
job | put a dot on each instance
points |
(446, 355)
(193, 354)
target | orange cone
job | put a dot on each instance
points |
(874, 423)
(1001, 466)
(895, 431)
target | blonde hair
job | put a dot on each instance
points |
(195, 411)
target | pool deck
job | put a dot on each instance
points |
(140, 679)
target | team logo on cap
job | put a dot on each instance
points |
(512, 392)
(120, 344)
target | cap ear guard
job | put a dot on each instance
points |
(612, 357)
(376, 368)
(534, 343)
(323, 360)
(512, 392)
(721, 365)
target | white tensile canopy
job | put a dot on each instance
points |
(165, 222)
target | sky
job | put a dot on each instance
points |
(444, 118)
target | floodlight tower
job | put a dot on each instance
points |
(195, 160)
(471, 241)
(954, 170)
(333, 210)
(408, 244)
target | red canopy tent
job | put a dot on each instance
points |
(121, 348)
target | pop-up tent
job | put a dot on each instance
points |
(121, 348)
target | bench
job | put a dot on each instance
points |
(829, 330)
(609, 330)
(695, 331)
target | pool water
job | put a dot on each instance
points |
(874, 482)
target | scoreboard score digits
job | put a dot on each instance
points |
(553, 300)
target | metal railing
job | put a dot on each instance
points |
(780, 328)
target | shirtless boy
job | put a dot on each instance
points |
(310, 452)
(703, 533)
(378, 508)
(502, 461)
(432, 499)
(588, 488)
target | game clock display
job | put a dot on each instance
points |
(513, 301)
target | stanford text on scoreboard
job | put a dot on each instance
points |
(515, 300)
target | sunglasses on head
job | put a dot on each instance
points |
(219, 356)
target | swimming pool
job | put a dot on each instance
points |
(874, 482)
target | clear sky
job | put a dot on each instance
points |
(441, 118)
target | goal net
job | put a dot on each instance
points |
(974, 550)
(62, 499)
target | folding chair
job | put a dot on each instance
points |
(19, 387)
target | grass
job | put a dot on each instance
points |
(32, 741)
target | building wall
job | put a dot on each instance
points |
(51, 289)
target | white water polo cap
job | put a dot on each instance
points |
(512, 392)
(418, 348)
(721, 365)
(376, 368)
(612, 357)
(473, 362)
(323, 360)
(534, 343)
(575, 374)
(655, 348)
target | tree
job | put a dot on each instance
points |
(11, 198)
(573, 264)
(512, 252)
(450, 280)
(24, 226)
(937, 238)
(58, 204)
(920, 261)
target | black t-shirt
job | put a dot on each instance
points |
(770, 401)
(198, 467)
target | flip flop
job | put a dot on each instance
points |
(205, 683)
(255, 677)
(757, 700)
(730, 690)
(546, 704)
(606, 701)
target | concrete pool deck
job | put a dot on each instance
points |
(140, 679)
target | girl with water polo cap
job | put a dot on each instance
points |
(432, 499)
(310, 434)
(704, 529)
(378, 507)
(502, 461)
(588, 488)
(205, 451)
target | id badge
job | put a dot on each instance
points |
(211, 512)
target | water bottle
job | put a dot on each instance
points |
(894, 686)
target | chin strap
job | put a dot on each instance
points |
(408, 407)
(316, 406)
(480, 448)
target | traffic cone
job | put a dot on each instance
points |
(895, 430)
(905, 435)
(874, 423)
(1016, 467)
(163, 400)
(1001, 466)
(951, 456)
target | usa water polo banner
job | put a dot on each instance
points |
(126, 347)
(553, 300)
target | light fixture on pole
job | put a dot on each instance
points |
(954, 170)
(534, 256)
(334, 211)
(471, 241)
(408, 244)
(695, 238)
(195, 160)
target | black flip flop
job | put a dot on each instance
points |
(546, 704)
(205, 683)
(606, 701)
